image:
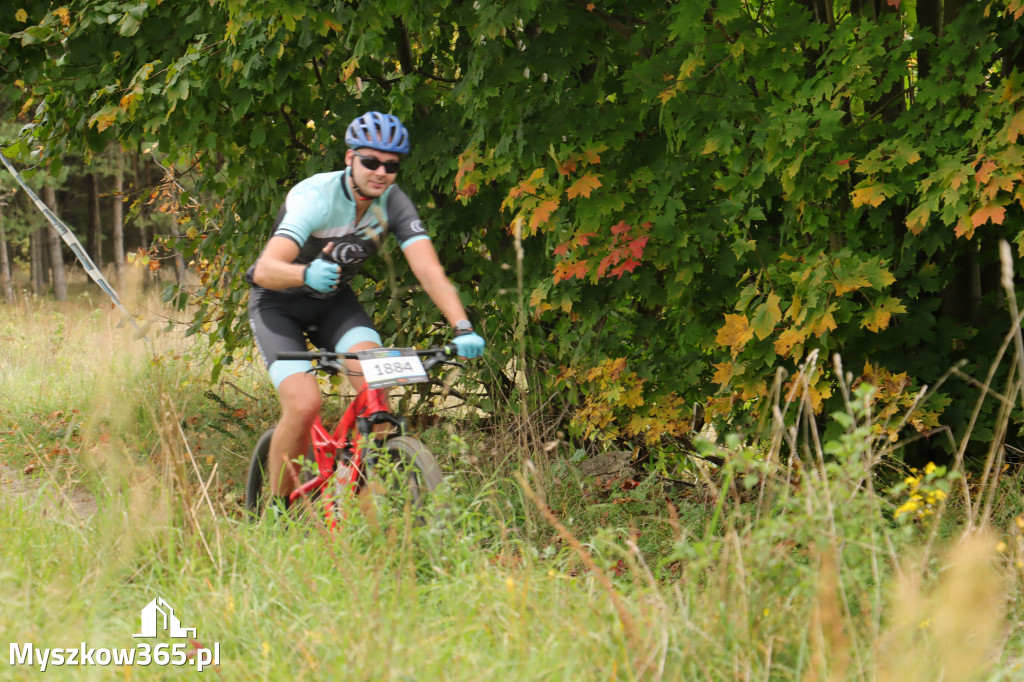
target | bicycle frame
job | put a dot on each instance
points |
(326, 444)
(350, 437)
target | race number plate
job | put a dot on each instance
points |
(383, 367)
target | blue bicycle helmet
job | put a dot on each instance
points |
(383, 132)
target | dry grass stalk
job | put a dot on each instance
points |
(952, 630)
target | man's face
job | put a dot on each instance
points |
(371, 183)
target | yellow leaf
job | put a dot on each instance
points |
(104, 118)
(348, 68)
(735, 333)
(21, 15)
(710, 146)
(824, 324)
(787, 339)
(723, 372)
(872, 195)
(537, 296)
(880, 315)
(584, 186)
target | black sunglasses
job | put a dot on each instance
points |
(372, 163)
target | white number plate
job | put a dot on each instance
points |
(383, 367)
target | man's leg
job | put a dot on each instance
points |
(300, 405)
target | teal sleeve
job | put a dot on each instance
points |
(305, 213)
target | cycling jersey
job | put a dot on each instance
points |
(321, 209)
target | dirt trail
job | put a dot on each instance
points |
(72, 505)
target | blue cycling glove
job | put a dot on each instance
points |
(469, 344)
(322, 275)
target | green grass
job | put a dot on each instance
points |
(770, 571)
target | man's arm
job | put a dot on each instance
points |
(428, 270)
(275, 269)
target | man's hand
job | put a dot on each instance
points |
(469, 345)
(322, 275)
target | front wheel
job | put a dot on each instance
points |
(403, 476)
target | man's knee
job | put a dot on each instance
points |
(300, 398)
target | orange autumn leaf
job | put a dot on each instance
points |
(584, 186)
(542, 213)
(991, 212)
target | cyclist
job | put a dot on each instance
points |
(330, 224)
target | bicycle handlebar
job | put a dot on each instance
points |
(447, 351)
(327, 361)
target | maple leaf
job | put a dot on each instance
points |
(991, 212)
(881, 314)
(984, 172)
(723, 372)
(593, 155)
(584, 239)
(787, 339)
(917, 219)
(584, 186)
(872, 195)
(1016, 126)
(735, 333)
(620, 227)
(823, 324)
(636, 247)
(766, 316)
(964, 228)
(613, 258)
(570, 269)
(542, 213)
(562, 248)
(629, 265)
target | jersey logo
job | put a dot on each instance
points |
(347, 253)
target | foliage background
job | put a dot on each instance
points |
(660, 202)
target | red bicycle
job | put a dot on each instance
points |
(347, 458)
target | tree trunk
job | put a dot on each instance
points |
(6, 280)
(95, 234)
(118, 220)
(929, 15)
(37, 263)
(60, 286)
(179, 260)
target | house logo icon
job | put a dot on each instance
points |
(159, 615)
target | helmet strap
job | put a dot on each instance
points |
(358, 191)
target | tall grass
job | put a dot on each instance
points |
(791, 563)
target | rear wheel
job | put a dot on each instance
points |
(402, 476)
(257, 488)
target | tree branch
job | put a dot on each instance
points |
(296, 142)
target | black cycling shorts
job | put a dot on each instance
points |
(282, 321)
